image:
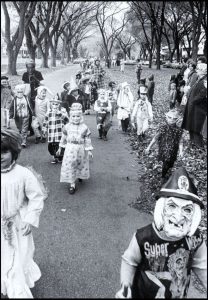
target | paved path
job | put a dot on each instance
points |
(79, 250)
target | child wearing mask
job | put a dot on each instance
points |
(142, 114)
(125, 103)
(6, 100)
(42, 106)
(150, 88)
(172, 95)
(170, 141)
(53, 123)
(21, 110)
(77, 144)
(103, 109)
(112, 95)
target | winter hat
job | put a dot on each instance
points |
(55, 99)
(4, 77)
(11, 139)
(64, 84)
(143, 81)
(111, 83)
(143, 90)
(181, 186)
(41, 88)
(151, 77)
(76, 108)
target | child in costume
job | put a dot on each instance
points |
(6, 100)
(53, 123)
(42, 106)
(66, 90)
(161, 255)
(142, 114)
(77, 144)
(125, 104)
(86, 94)
(112, 95)
(150, 88)
(103, 110)
(22, 200)
(170, 140)
(172, 95)
(20, 110)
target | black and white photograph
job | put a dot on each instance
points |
(103, 149)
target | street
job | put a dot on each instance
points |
(79, 250)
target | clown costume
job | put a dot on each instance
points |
(22, 197)
(77, 144)
(161, 255)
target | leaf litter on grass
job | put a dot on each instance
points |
(194, 159)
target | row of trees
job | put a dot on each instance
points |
(54, 25)
(45, 25)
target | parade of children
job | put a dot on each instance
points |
(95, 111)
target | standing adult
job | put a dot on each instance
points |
(98, 74)
(138, 70)
(33, 78)
(196, 107)
(122, 65)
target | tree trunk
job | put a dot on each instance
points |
(31, 48)
(45, 54)
(12, 61)
(158, 55)
(150, 59)
(194, 51)
(53, 57)
(63, 52)
(205, 48)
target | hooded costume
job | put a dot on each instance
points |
(125, 104)
(160, 256)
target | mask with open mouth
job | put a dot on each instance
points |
(178, 216)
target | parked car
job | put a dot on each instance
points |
(78, 60)
(130, 62)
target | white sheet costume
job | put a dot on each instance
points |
(141, 115)
(22, 196)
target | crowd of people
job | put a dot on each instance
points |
(146, 268)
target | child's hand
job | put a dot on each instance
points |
(26, 229)
(90, 154)
(58, 153)
(180, 154)
(146, 151)
(124, 292)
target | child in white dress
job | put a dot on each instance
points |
(142, 114)
(77, 143)
(22, 197)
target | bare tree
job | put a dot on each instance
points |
(25, 11)
(110, 28)
(197, 10)
(126, 41)
(177, 25)
(145, 26)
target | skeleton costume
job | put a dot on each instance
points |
(103, 109)
(160, 256)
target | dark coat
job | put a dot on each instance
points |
(196, 107)
(69, 100)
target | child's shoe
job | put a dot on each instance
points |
(71, 190)
(37, 140)
(43, 140)
(54, 161)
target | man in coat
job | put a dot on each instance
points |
(196, 107)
